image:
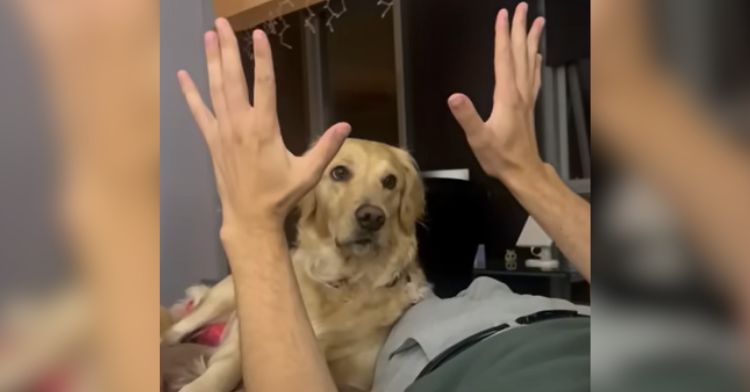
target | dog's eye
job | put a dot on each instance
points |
(340, 173)
(389, 182)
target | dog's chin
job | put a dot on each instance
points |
(359, 245)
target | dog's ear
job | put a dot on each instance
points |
(310, 215)
(412, 196)
(307, 207)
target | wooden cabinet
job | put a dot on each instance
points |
(245, 14)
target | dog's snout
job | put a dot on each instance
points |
(369, 217)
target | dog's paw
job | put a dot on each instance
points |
(189, 388)
(417, 291)
(171, 337)
(196, 387)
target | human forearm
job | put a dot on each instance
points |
(564, 216)
(279, 349)
(686, 156)
(259, 181)
(115, 239)
(100, 79)
(505, 144)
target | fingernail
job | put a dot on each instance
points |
(208, 37)
(257, 34)
(455, 101)
(504, 14)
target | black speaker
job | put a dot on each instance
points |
(450, 233)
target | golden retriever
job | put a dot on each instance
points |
(355, 262)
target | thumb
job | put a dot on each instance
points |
(321, 154)
(465, 113)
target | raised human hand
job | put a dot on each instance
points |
(259, 181)
(505, 144)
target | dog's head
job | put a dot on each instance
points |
(370, 198)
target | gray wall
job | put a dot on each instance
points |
(28, 255)
(190, 247)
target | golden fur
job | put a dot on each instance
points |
(355, 283)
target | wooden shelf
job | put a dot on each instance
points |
(245, 14)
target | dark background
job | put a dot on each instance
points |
(447, 47)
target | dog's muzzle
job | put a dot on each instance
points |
(369, 217)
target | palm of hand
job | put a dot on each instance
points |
(258, 179)
(506, 142)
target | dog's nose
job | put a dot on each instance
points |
(369, 217)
